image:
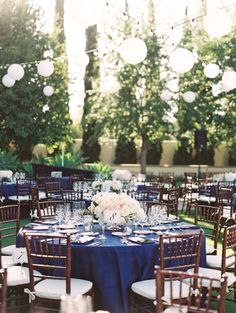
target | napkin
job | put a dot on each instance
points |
(140, 240)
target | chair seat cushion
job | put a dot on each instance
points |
(209, 249)
(7, 261)
(215, 261)
(17, 275)
(19, 198)
(54, 289)
(213, 273)
(147, 289)
(8, 250)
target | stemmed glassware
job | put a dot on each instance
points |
(142, 223)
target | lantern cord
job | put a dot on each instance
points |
(59, 58)
(179, 23)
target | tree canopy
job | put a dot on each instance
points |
(27, 116)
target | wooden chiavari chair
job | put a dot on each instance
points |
(176, 252)
(192, 295)
(208, 217)
(51, 256)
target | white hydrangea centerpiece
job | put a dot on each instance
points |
(107, 185)
(121, 175)
(116, 207)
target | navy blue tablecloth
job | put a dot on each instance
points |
(113, 267)
(9, 189)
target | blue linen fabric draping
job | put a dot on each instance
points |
(113, 267)
(9, 189)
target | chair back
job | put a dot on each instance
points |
(53, 190)
(50, 255)
(173, 201)
(228, 261)
(224, 198)
(23, 187)
(180, 252)
(3, 290)
(47, 209)
(140, 195)
(9, 222)
(71, 196)
(41, 180)
(209, 218)
(191, 295)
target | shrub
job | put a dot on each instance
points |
(71, 159)
(99, 168)
(9, 161)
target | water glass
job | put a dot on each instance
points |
(102, 222)
(88, 223)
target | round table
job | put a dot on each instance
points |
(113, 267)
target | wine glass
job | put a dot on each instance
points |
(142, 223)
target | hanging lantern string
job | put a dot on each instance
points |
(177, 24)
(60, 58)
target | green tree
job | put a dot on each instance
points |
(90, 145)
(137, 111)
(214, 113)
(27, 116)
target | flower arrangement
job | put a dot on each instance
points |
(107, 185)
(121, 175)
(96, 185)
(115, 207)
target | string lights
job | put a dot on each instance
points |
(132, 50)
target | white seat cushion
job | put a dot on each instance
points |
(215, 261)
(17, 275)
(42, 195)
(7, 261)
(147, 289)
(54, 289)
(209, 249)
(8, 250)
(19, 198)
(213, 273)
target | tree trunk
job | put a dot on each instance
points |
(59, 22)
(143, 157)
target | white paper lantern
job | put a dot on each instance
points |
(189, 96)
(166, 95)
(181, 60)
(133, 50)
(229, 81)
(7, 81)
(217, 89)
(211, 70)
(45, 68)
(48, 91)
(218, 23)
(16, 71)
(87, 12)
(82, 60)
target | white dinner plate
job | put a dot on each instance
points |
(68, 231)
(40, 227)
(66, 226)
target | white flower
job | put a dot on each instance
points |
(112, 203)
(96, 184)
(116, 185)
(121, 175)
